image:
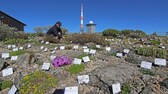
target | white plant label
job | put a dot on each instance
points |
(14, 57)
(15, 49)
(119, 54)
(146, 65)
(42, 41)
(42, 47)
(77, 61)
(47, 42)
(86, 50)
(116, 88)
(62, 47)
(71, 90)
(20, 48)
(5, 55)
(108, 49)
(52, 57)
(86, 59)
(83, 79)
(46, 66)
(126, 51)
(53, 52)
(29, 46)
(12, 90)
(6, 72)
(92, 51)
(46, 49)
(159, 61)
(76, 47)
(9, 46)
(85, 47)
(97, 46)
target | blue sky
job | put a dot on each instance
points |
(146, 15)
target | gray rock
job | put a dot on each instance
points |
(137, 59)
(106, 76)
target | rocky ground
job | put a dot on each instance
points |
(103, 70)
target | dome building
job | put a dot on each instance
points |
(91, 27)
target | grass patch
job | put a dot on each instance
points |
(68, 47)
(114, 53)
(125, 89)
(148, 72)
(16, 53)
(6, 84)
(85, 54)
(75, 68)
(37, 83)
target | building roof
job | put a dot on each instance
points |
(13, 18)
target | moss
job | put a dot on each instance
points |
(37, 83)
(16, 53)
(6, 84)
(75, 68)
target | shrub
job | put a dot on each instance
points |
(125, 89)
(37, 83)
(76, 68)
(6, 84)
(155, 42)
(15, 41)
(51, 39)
(148, 72)
(87, 38)
(16, 53)
(153, 52)
(111, 32)
(10, 33)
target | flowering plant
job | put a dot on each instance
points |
(61, 60)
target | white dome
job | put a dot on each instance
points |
(91, 22)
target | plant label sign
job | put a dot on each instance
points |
(42, 47)
(46, 66)
(62, 47)
(47, 42)
(146, 65)
(28, 46)
(46, 49)
(77, 61)
(71, 90)
(14, 58)
(13, 46)
(86, 59)
(20, 48)
(12, 90)
(86, 50)
(83, 79)
(53, 52)
(85, 47)
(76, 47)
(159, 61)
(119, 54)
(5, 55)
(6, 72)
(126, 51)
(108, 49)
(9, 46)
(97, 46)
(116, 88)
(15, 49)
(42, 41)
(92, 51)
(55, 48)
(52, 57)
